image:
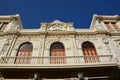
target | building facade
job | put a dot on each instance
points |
(58, 51)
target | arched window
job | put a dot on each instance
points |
(89, 52)
(57, 53)
(24, 53)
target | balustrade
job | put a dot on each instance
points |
(57, 59)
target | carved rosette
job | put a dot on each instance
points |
(105, 40)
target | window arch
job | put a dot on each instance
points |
(57, 53)
(24, 52)
(89, 52)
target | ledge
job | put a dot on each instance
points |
(51, 66)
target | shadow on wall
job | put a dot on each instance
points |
(115, 75)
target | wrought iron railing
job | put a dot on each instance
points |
(57, 60)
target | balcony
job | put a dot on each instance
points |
(55, 62)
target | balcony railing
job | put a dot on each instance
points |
(106, 59)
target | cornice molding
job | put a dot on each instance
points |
(77, 32)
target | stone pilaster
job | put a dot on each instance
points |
(73, 44)
(42, 44)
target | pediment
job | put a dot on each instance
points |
(56, 26)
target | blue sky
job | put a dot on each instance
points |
(80, 12)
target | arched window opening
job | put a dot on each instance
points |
(89, 52)
(57, 53)
(24, 53)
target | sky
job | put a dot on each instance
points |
(80, 12)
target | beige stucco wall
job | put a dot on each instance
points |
(72, 38)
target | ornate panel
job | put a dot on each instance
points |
(56, 26)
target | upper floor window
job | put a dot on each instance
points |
(89, 52)
(108, 26)
(111, 25)
(3, 25)
(114, 25)
(57, 45)
(24, 53)
(57, 53)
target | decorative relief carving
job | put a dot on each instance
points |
(49, 42)
(7, 42)
(105, 40)
(80, 41)
(17, 44)
(83, 40)
(61, 36)
(6, 45)
(24, 38)
(57, 26)
(117, 42)
(21, 40)
(35, 38)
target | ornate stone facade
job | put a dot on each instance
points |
(85, 50)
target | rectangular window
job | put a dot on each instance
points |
(108, 26)
(3, 26)
(114, 25)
